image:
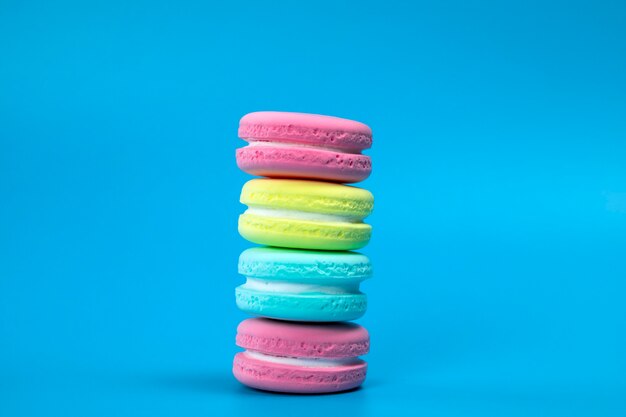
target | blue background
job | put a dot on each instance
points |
(499, 176)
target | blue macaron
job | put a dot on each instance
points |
(302, 285)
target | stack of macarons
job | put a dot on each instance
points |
(303, 283)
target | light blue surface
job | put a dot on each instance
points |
(499, 177)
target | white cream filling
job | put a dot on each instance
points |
(306, 362)
(277, 144)
(302, 215)
(299, 288)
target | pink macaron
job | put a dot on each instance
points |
(308, 146)
(300, 357)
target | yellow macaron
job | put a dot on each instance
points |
(305, 214)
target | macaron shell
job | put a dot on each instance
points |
(302, 234)
(314, 129)
(303, 340)
(307, 163)
(297, 379)
(301, 307)
(304, 265)
(309, 196)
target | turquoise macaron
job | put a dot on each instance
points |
(302, 285)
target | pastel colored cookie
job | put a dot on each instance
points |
(302, 285)
(300, 145)
(305, 214)
(300, 357)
